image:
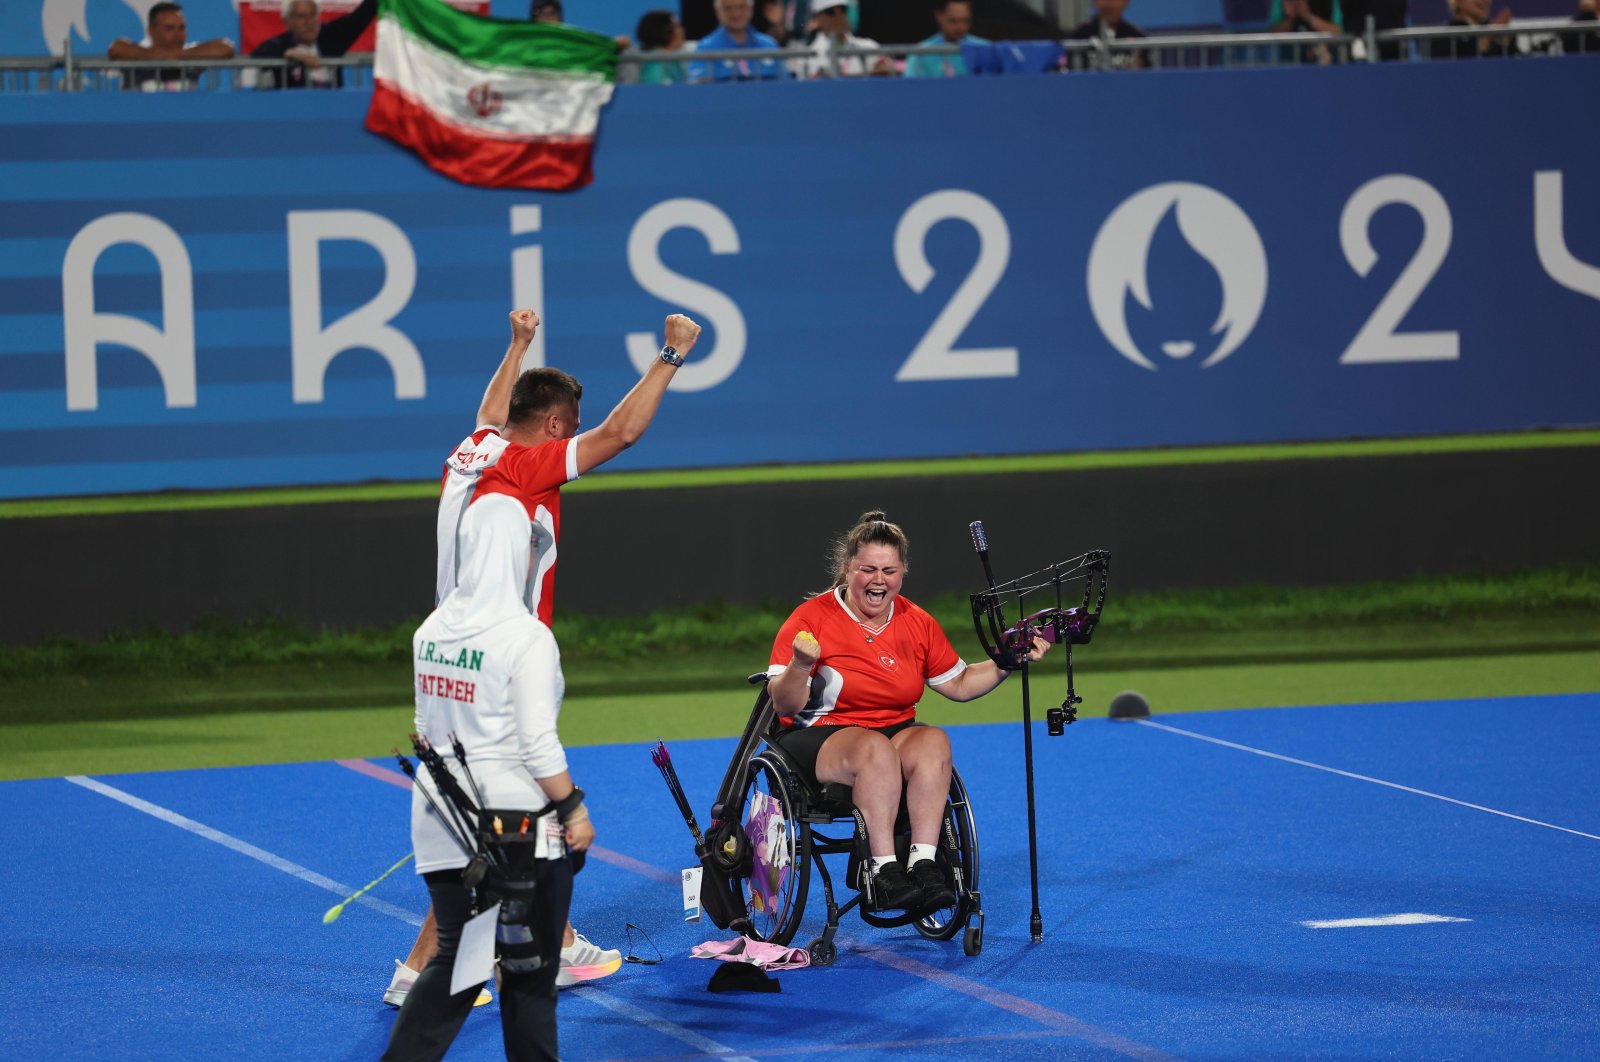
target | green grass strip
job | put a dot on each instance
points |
(1438, 615)
(45, 749)
(811, 473)
(270, 693)
(1434, 616)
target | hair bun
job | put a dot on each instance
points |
(873, 528)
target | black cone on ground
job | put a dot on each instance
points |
(1129, 704)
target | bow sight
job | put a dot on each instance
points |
(1008, 646)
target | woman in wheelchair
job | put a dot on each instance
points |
(846, 672)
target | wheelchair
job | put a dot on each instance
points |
(771, 828)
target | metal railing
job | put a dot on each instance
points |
(1534, 36)
(71, 73)
(1204, 50)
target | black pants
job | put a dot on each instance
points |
(804, 743)
(431, 1016)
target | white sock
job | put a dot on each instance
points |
(878, 862)
(919, 852)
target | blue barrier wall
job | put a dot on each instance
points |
(884, 269)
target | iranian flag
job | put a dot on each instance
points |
(490, 102)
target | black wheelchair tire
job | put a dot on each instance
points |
(972, 941)
(822, 952)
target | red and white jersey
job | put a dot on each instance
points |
(488, 674)
(462, 469)
(486, 463)
(869, 674)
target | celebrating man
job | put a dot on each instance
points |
(527, 446)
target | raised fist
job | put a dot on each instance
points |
(524, 323)
(681, 333)
(806, 650)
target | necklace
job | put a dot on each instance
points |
(866, 631)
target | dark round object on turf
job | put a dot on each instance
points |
(742, 977)
(972, 942)
(822, 952)
(1129, 704)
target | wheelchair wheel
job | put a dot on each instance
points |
(958, 850)
(823, 952)
(777, 875)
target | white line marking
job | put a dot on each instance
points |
(200, 829)
(1381, 920)
(643, 1017)
(1363, 778)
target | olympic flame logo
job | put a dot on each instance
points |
(1215, 228)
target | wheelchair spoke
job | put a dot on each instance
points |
(774, 893)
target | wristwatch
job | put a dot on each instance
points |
(671, 356)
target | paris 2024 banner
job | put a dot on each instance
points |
(202, 291)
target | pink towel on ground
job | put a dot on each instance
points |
(755, 952)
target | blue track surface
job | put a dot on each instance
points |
(1175, 875)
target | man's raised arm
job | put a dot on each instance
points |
(626, 423)
(496, 404)
(220, 48)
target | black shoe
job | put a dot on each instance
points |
(936, 891)
(893, 890)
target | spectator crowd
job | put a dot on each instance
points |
(825, 32)
(826, 28)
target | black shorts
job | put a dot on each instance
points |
(802, 743)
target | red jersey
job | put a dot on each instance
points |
(868, 675)
(486, 464)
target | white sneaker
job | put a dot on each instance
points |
(400, 984)
(582, 961)
(404, 977)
